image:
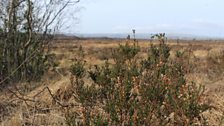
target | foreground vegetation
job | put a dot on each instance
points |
(130, 83)
(133, 91)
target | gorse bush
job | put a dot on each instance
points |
(26, 27)
(132, 91)
(22, 55)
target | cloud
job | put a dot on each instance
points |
(194, 27)
(163, 27)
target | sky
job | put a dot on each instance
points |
(191, 17)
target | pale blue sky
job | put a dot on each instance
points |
(195, 17)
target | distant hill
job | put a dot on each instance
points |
(66, 37)
(145, 36)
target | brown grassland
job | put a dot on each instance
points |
(205, 58)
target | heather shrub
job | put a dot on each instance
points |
(131, 91)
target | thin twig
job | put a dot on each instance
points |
(21, 98)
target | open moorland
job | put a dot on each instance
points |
(44, 102)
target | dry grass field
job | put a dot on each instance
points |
(206, 59)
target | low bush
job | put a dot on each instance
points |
(131, 91)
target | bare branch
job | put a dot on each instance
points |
(29, 21)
